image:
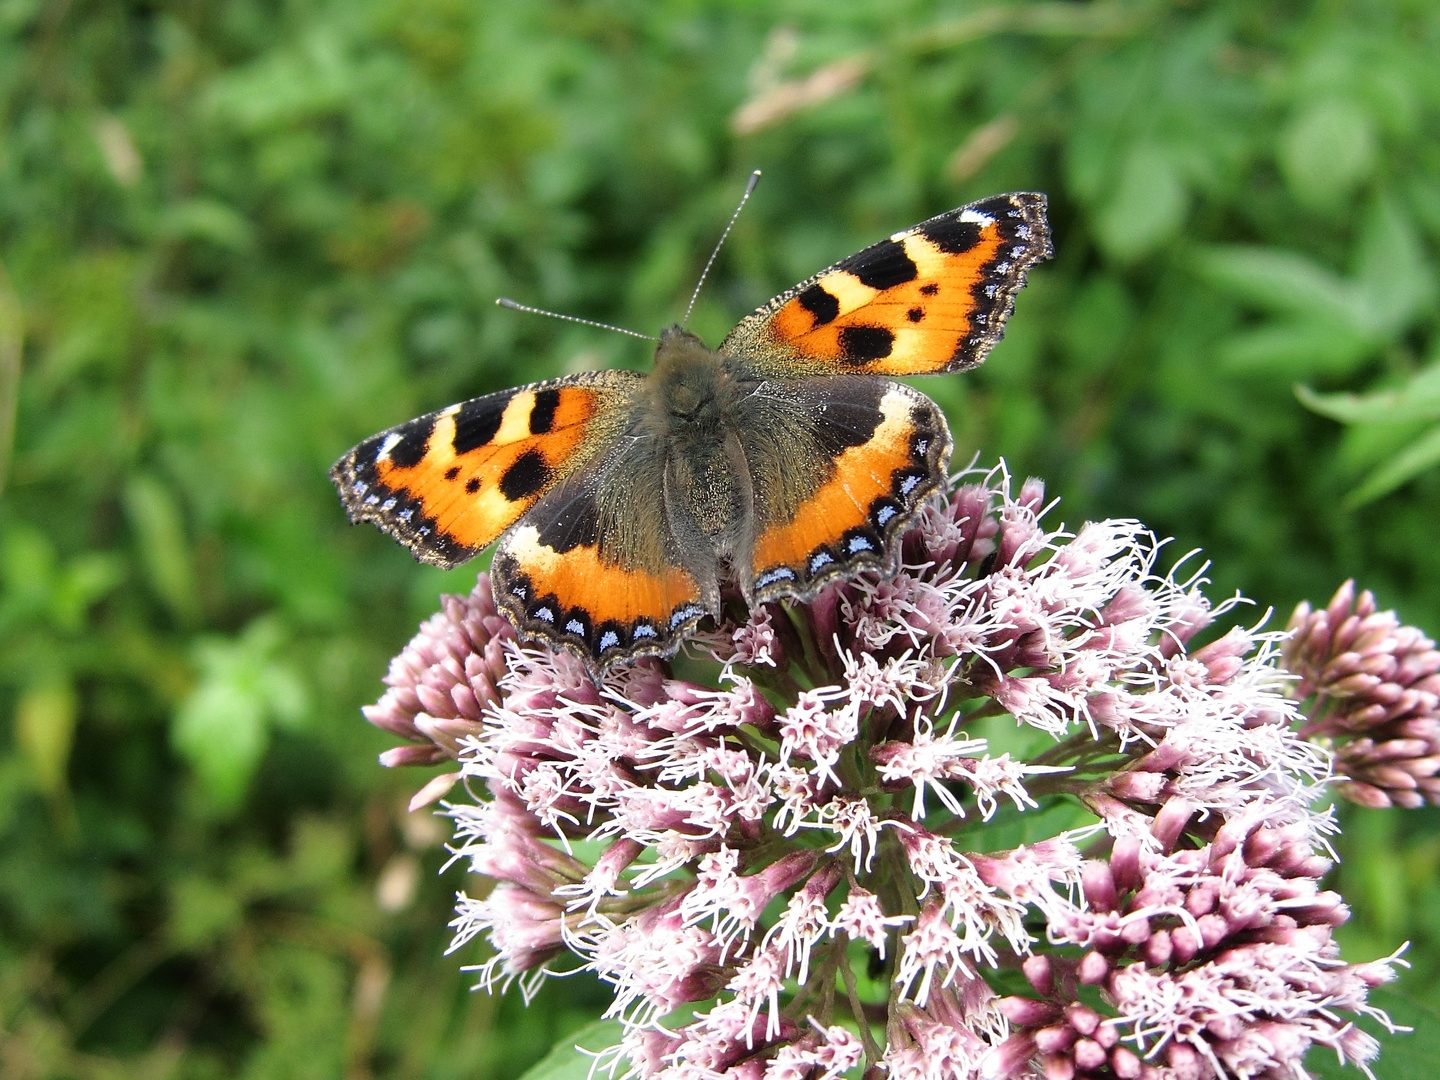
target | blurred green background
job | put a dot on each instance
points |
(237, 236)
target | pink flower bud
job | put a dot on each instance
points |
(1125, 863)
(1027, 1012)
(1093, 969)
(1039, 972)
(1160, 948)
(1186, 1063)
(1055, 1039)
(1089, 1055)
(428, 754)
(1170, 822)
(1125, 1063)
(1364, 794)
(1082, 1018)
(1009, 1058)
(1099, 886)
(1147, 787)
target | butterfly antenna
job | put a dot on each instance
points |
(506, 302)
(749, 187)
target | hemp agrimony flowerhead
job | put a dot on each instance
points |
(1000, 815)
(1373, 688)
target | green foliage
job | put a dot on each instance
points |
(239, 236)
(566, 1062)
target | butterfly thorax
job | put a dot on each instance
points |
(692, 414)
(691, 388)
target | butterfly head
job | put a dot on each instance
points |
(689, 384)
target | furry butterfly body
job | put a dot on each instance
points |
(783, 460)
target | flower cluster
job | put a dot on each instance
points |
(1373, 687)
(786, 851)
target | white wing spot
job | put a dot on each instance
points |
(783, 573)
(689, 611)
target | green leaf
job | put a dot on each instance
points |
(1418, 399)
(38, 588)
(1326, 151)
(220, 730)
(1404, 1055)
(85, 580)
(164, 551)
(1422, 454)
(223, 726)
(202, 911)
(286, 84)
(45, 732)
(566, 1062)
(1281, 282)
(1394, 281)
(1148, 207)
(1294, 350)
(211, 221)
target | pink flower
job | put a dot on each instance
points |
(806, 842)
(440, 684)
(1374, 692)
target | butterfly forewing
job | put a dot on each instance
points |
(931, 299)
(448, 483)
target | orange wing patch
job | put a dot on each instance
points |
(448, 483)
(852, 520)
(931, 299)
(565, 592)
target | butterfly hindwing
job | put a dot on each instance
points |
(594, 568)
(448, 483)
(931, 299)
(841, 466)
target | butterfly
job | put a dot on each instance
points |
(782, 461)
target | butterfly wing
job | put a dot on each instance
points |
(841, 466)
(931, 299)
(595, 568)
(448, 483)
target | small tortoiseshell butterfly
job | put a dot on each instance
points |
(781, 461)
